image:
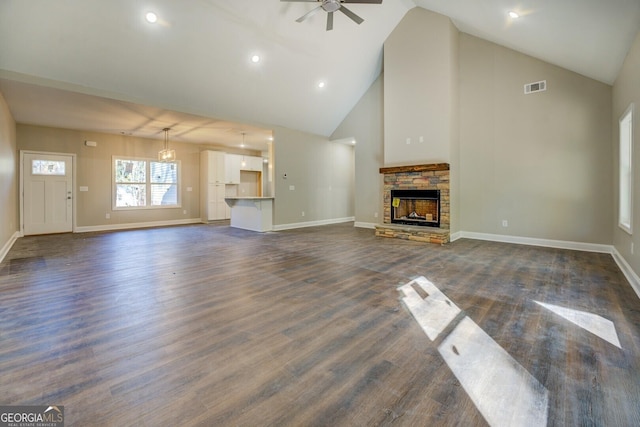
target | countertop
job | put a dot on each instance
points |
(249, 198)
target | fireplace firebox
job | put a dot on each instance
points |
(416, 207)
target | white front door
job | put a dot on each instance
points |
(48, 193)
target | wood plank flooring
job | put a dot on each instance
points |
(207, 325)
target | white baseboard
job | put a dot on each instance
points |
(7, 246)
(129, 226)
(359, 224)
(631, 276)
(628, 272)
(455, 236)
(559, 244)
(291, 226)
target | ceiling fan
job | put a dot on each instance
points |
(331, 6)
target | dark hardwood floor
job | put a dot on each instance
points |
(210, 325)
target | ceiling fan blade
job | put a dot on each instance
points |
(329, 21)
(355, 18)
(360, 1)
(309, 14)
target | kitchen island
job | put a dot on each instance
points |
(251, 213)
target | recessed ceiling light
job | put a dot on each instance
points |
(514, 15)
(255, 59)
(321, 84)
(151, 17)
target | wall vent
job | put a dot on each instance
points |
(535, 87)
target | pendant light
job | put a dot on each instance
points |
(166, 155)
(244, 163)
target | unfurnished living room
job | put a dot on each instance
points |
(319, 212)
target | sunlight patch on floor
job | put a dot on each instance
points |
(433, 313)
(597, 325)
(502, 390)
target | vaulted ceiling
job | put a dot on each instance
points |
(99, 65)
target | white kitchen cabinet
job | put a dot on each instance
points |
(212, 166)
(251, 163)
(217, 207)
(231, 190)
(255, 164)
(212, 188)
(232, 168)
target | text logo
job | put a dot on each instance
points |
(32, 416)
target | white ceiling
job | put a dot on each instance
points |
(98, 65)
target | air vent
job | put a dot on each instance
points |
(535, 87)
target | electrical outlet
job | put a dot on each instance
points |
(631, 248)
(302, 213)
(505, 223)
(107, 216)
(375, 214)
(184, 212)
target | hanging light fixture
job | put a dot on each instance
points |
(244, 163)
(166, 155)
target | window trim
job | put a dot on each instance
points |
(622, 223)
(148, 185)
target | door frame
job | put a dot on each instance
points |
(73, 185)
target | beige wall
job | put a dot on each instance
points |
(626, 90)
(93, 170)
(321, 171)
(8, 187)
(420, 82)
(322, 174)
(365, 124)
(454, 129)
(541, 161)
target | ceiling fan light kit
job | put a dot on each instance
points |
(331, 6)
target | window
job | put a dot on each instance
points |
(47, 167)
(140, 183)
(164, 183)
(626, 170)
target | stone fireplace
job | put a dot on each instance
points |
(416, 203)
